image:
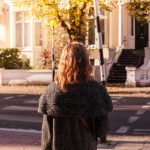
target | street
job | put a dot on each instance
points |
(130, 115)
(20, 122)
(19, 111)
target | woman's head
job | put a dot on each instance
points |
(74, 65)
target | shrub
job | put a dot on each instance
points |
(45, 59)
(10, 59)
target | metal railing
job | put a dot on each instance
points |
(112, 60)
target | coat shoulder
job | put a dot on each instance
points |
(45, 97)
(96, 85)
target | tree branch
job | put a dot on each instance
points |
(63, 24)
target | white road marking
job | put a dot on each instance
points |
(21, 118)
(141, 133)
(106, 146)
(31, 102)
(20, 130)
(140, 112)
(21, 95)
(146, 106)
(103, 149)
(114, 101)
(148, 103)
(9, 97)
(133, 119)
(117, 97)
(123, 129)
(20, 108)
(142, 130)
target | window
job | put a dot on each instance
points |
(91, 27)
(38, 34)
(19, 35)
(26, 34)
(22, 30)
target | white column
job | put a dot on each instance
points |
(2, 25)
(119, 24)
(12, 26)
(106, 29)
(113, 28)
(110, 30)
(32, 41)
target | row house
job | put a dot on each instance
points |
(119, 31)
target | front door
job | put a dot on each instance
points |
(141, 35)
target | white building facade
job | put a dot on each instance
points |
(119, 31)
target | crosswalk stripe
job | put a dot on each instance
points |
(21, 118)
(117, 97)
(140, 112)
(22, 95)
(31, 102)
(20, 108)
(123, 129)
(20, 130)
(142, 130)
(133, 119)
(114, 101)
(9, 97)
(148, 103)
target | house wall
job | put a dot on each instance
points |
(128, 26)
(113, 28)
(2, 29)
(4, 26)
(25, 77)
(7, 23)
(7, 29)
(126, 30)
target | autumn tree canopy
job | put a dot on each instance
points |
(72, 15)
(139, 9)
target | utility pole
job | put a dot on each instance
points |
(53, 24)
(99, 43)
(103, 138)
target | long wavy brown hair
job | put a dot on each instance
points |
(74, 66)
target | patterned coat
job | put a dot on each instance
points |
(62, 127)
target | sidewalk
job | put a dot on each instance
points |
(126, 143)
(31, 141)
(113, 91)
(22, 89)
(11, 140)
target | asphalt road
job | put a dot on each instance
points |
(130, 115)
(19, 111)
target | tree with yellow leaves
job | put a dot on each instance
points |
(71, 15)
(140, 10)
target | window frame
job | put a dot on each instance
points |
(22, 21)
(41, 34)
(105, 16)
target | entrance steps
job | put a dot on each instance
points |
(128, 58)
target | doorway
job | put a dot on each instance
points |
(141, 35)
